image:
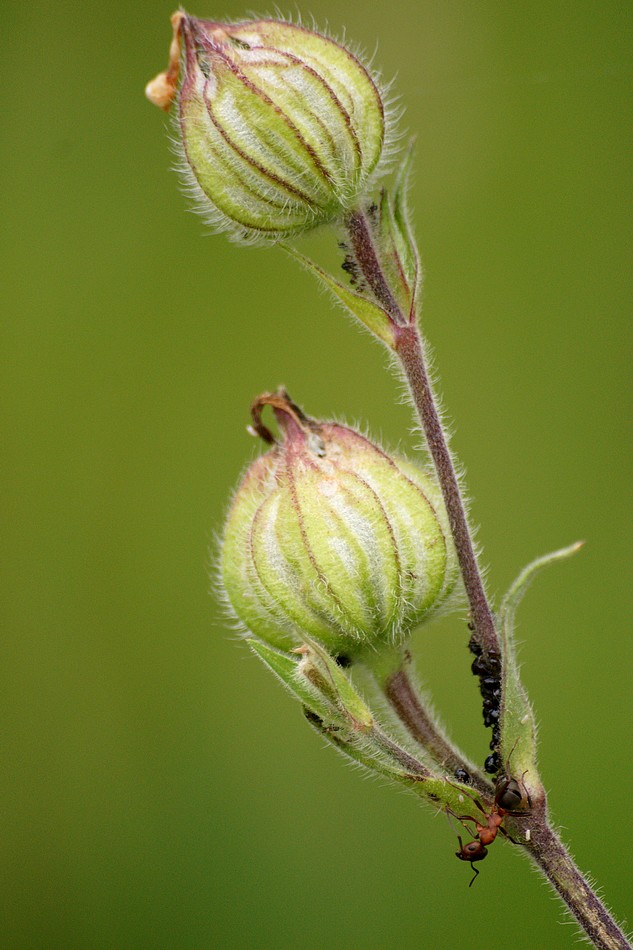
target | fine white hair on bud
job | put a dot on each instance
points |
(280, 128)
(329, 537)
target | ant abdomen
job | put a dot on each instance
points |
(512, 796)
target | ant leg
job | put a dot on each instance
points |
(509, 837)
(472, 797)
(516, 742)
(462, 818)
(527, 794)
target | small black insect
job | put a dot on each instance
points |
(489, 685)
(463, 776)
(479, 666)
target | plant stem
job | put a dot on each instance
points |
(359, 233)
(410, 351)
(542, 844)
(405, 702)
(554, 860)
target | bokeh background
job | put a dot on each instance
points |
(158, 788)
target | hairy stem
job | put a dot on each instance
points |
(554, 860)
(359, 233)
(542, 843)
(410, 352)
(407, 705)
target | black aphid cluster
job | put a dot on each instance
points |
(351, 268)
(488, 668)
(350, 265)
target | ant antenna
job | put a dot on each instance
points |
(475, 875)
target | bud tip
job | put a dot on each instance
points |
(161, 91)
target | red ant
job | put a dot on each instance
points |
(511, 798)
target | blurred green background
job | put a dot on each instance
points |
(158, 787)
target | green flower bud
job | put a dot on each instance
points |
(280, 127)
(330, 538)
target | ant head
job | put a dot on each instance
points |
(473, 851)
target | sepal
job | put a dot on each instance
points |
(329, 679)
(518, 745)
(396, 243)
(335, 709)
(374, 317)
(285, 669)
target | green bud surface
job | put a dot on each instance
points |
(280, 127)
(330, 538)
